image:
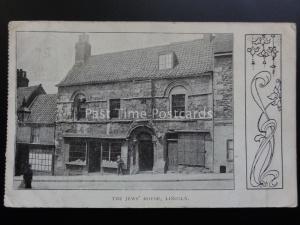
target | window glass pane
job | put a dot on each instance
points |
(230, 152)
(230, 155)
(80, 107)
(105, 151)
(230, 144)
(77, 152)
(178, 105)
(40, 160)
(114, 108)
(115, 151)
(35, 135)
(165, 61)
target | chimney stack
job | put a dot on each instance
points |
(22, 80)
(209, 37)
(82, 49)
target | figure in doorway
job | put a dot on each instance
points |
(120, 163)
(27, 176)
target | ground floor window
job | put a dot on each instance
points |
(111, 151)
(78, 152)
(40, 160)
(230, 153)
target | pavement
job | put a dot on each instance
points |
(149, 181)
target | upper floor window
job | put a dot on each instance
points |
(178, 105)
(80, 107)
(166, 61)
(114, 108)
(178, 101)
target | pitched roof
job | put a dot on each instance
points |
(223, 43)
(193, 57)
(26, 92)
(43, 109)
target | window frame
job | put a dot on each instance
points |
(40, 159)
(78, 143)
(35, 135)
(107, 153)
(173, 106)
(178, 90)
(228, 155)
(78, 103)
(166, 61)
(115, 110)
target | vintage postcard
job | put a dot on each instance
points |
(151, 114)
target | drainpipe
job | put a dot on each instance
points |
(152, 99)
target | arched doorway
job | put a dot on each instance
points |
(142, 148)
(145, 151)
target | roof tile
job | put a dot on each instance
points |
(194, 57)
(43, 109)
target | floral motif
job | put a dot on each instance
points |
(253, 50)
(275, 96)
(261, 175)
(263, 40)
(273, 52)
(263, 46)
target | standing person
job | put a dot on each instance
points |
(27, 176)
(120, 163)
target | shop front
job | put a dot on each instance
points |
(142, 151)
(94, 155)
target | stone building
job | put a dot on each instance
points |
(162, 109)
(35, 128)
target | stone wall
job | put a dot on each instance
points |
(223, 111)
(46, 133)
(223, 88)
(134, 96)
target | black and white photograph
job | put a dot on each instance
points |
(124, 111)
(151, 115)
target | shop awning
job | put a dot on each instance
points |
(76, 135)
(190, 131)
(36, 144)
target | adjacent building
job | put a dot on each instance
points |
(35, 127)
(161, 109)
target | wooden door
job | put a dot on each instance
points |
(191, 149)
(172, 155)
(146, 155)
(21, 159)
